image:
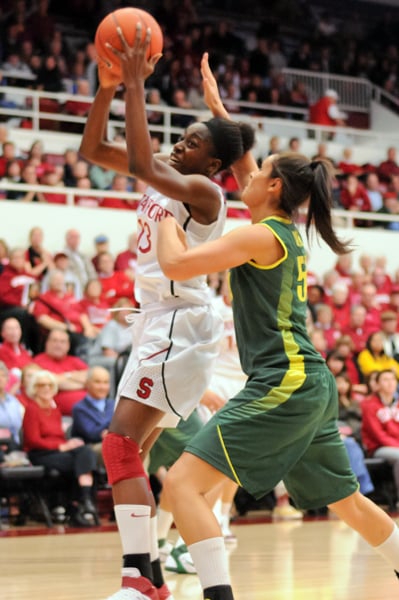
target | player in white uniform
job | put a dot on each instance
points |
(175, 337)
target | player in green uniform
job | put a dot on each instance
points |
(282, 425)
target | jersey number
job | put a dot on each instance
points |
(144, 237)
(301, 288)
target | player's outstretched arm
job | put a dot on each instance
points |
(243, 167)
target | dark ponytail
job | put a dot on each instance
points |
(320, 205)
(304, 181)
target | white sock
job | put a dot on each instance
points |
(154, 551)
(210, 560)
(165, 520)
(217, 509)
(389, 549)
(133, 522)
(226, 508)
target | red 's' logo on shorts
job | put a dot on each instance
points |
(145, 388)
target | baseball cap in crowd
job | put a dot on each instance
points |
(331, 94)
(101, 239)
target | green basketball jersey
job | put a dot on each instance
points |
(269, 305)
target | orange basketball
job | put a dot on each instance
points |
(126, 19)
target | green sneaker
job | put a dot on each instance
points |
(180, 561)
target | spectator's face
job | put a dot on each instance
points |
(387, 383)
(11, 331)
(17, 260)
(57, 344)
(98, 384)
(73, 239)
(106, 264)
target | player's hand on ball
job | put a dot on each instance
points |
(107, 76)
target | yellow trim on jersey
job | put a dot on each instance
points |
(282, 259)
(227, 456)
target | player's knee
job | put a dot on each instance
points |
(121, 458)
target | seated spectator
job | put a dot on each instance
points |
(13, 174)
(374, 191)
(53, 177)
(380, 423)
(94, 306)
(343, 266)
(9, 153)
(58, 309)
(120, 183)
(126, 260)
(70, 371)
(11, 412)
(349, 411)
(390, 206)
(114, 338)
(325, 322)
(39, 260)
(79, 262)
(346, 166)
(92, 415)
(382, 282)
(71, 157)
(340, 306)
(71, 281)
(368, 299)
(389, 331)
(101, 244)
(46, 444)
(298, 97)
(373, 357)
(15, 284)
(357, 329)
(26, 376)
(115, 284)
(336, 363)
(354, 197)
(345, 348)
(12, 353)
(37, 157)
(29, 177)
(388, 167)
(322, 153)
(86, 199)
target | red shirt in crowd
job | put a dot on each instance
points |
(14, 355)
(64, 308)
(14, 287)
(98, 312)
(65, 399)
(380, 424)
(118, 285)
(42, 428)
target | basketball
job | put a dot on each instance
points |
(126, 19)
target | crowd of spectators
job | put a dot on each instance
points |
(35, 52)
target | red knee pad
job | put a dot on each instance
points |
(122, 458)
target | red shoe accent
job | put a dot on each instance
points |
(164, 592)
(143, 585)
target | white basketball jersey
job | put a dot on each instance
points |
(151, 285)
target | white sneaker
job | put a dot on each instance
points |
(165, 548)
(128, 594)
(180, 561)
(287, 513)
(143, 590)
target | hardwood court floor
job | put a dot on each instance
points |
(310, 560)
